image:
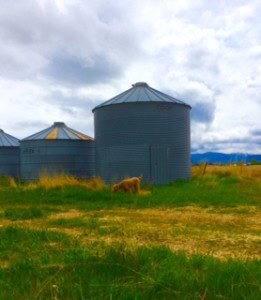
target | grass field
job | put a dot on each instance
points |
(61, 238)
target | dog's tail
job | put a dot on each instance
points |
(140, 177)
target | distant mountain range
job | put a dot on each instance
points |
(222, 158)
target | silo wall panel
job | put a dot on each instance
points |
(159, 164)
(76, 158)
(162, 125)
(118, 162)
(132, 123)
(10, 161)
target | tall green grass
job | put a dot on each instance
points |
(214, 190)
(48, 264)
(17, 244)
(116, 272)
(32, 212)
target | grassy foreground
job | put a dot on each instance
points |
(65, 239)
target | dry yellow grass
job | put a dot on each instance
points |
(62, 180)
(7, 182)
(12, 182)
(144, 193)
(192, 229)
(96, 183)
(253, 172)
(49, 182)
(223, 233)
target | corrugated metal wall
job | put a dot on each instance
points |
(117, 162)
(10, 161)
(74, 157)
(148, 138)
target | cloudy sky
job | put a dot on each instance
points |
(60, 58)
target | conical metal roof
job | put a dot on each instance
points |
(141, 92)
(6, 140)
(59, 131)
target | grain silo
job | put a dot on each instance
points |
(143, 131)
(9, 155)
(57, 149)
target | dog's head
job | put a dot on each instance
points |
(115, 187)
(140, 177)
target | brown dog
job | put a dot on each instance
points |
(128, 185)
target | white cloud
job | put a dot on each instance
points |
(60, 58)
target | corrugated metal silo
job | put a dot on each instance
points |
(9, 155)
(57, 149)
(143, 131)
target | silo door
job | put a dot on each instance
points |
(159, 164)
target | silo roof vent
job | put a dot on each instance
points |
(140, 84)
(7, 140)
(59, 131)
(59, 124)
(141, 92)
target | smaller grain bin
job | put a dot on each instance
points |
(57, 149)
(9, 155)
